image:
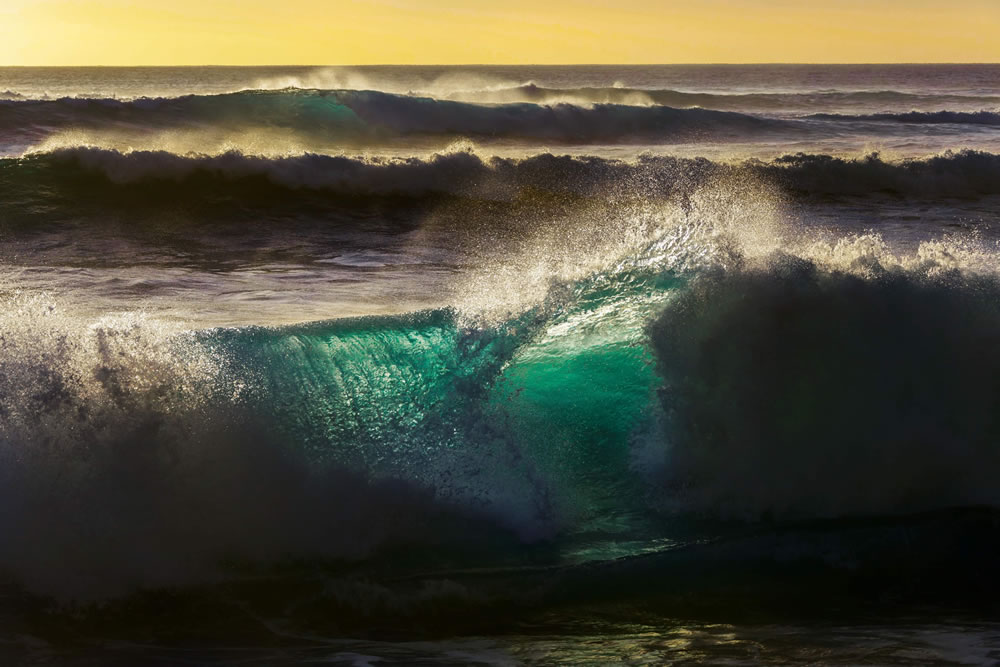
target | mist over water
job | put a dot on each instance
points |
(492, 365)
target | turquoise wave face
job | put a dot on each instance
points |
(529, 420)
(779, 388)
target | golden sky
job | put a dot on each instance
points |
(356, 32)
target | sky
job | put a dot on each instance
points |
(359, 32)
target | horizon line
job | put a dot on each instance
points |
(672, 64)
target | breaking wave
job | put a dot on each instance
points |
(707, 368)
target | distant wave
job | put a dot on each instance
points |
(26, 181)
(528, 114)
(919, 117)
(532, 92)
(370, 116)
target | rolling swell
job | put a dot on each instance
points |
(73, 176)
(987, 118)
(966, 173)
(368, 116)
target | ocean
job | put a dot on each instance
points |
(578, 365)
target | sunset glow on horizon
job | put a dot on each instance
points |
(358, 32)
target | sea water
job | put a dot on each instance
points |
(500, 365)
